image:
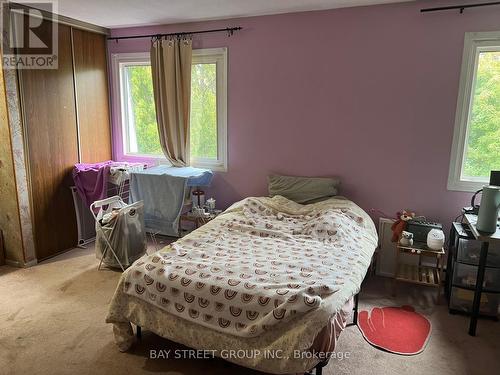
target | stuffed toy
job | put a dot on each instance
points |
(400, 224)
(406, 239)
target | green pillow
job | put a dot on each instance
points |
(303, 189)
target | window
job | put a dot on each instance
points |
(476, 140)
(136, 110)
(208, 109)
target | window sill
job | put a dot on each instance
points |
(466, 186)
(214, 167)
(152, 161)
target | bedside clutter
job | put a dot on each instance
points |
(407, 231)
(422, 228)
(198, 217)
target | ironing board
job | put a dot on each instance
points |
(195, 176)
(163, 190)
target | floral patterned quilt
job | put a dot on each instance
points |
(261, 263)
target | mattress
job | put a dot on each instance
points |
(267, 274)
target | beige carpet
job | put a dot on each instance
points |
(52, 322)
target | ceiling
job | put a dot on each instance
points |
(122, 13)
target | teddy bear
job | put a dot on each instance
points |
(400, 224)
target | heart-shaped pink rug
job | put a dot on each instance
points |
(398, 330)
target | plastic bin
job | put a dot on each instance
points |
(469, 251)
(466, 275)
(461, 300)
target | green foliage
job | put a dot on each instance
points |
(143, 108)
(483, 141)
(203, 110)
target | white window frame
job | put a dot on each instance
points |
(474, 44)
(205, 55)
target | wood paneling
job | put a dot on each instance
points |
(50, 126)
(89, 50)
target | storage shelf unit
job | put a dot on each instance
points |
(461, 274)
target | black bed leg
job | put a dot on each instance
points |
(354, 312)
(355, 317)
(318, 370)
(138, 332)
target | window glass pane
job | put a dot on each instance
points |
(482, 149)
(142, 130)
(203, 137)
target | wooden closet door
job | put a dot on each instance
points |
(51, 132)
(89, 50)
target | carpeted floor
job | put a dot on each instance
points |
(52, 322)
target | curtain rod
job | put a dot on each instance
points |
(460, 7)
(230, 31)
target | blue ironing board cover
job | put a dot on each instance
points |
(195, 176)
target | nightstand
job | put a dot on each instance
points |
(428, 274)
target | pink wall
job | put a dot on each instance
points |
(367, 94)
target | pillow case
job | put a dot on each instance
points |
(303, 189)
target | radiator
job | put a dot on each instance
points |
(386, 261)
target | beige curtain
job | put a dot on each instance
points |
(171, 69)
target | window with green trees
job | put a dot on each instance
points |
(482, 152)
(142, 131)
(476, 141)
(207, 117)
(203, 132)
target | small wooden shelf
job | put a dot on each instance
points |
(419, 248)
(423, 275)
(419, 274)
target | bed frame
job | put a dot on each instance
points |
(318, 370)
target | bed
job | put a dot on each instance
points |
(269, 277)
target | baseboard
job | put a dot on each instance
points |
(385, 274)
(18, 264)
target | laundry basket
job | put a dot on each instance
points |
(120, 233)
